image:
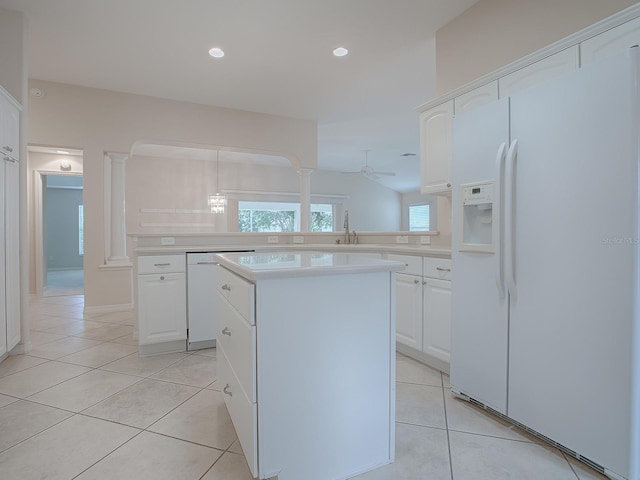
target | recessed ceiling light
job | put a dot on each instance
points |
(62, 152)
(216, 52)
(340, 51)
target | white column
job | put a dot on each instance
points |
(305, 199)
(115, 247)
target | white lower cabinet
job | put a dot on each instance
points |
(423, 309)
(162, 300)
(309, 382)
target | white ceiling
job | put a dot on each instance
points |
(278, 60)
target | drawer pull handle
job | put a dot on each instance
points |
(8, 149)
(161, 264)
(226, 287)
(162, 277)
(226, 331)
(227, 390)
(416, 281)
(440, 269)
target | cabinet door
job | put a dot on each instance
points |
(476, 97)
(436, 340)
(162, 309)
(3, 318)
(610, 42)
(409, 310)
(552, 66)
(12, 253)
(9, 128)
(435, 149)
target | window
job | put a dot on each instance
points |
(419, 217)
(281, 217)
(80, 230)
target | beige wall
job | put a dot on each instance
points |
(97, 121)
(494, 33)
(11, 52)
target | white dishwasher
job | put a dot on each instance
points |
(201, 322)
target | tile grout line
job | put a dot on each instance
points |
(446, 423)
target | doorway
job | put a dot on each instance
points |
(62, 234)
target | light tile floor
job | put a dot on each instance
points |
(83, 405)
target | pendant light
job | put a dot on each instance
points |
(217, 202)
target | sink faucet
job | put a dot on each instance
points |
(347, 240)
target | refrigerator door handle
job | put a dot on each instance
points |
(510, 230)
(498, 192)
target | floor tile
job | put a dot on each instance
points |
(230, 466)
(47, 322)
(22, 420)
(64, 450)
(462, 416)
(78, 326)
(57, 310)
(154, 457)
(99, 355)
(143, 366)
(121, 318)
(411, 371)
(421, 453)
(126, 340)
(478, 457)
(207, 352)
(214, 386)
(85, 390)
(106, 332)
(60, 348)
(236, 447)
(17, 363)
(143, 403)
(202, 419)
(77, 300)
(420, 405)
(195, 370)
(38, 338)
(40, 377)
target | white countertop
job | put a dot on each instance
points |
(257, 266)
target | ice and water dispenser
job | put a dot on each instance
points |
(476, 217)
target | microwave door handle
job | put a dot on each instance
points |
(497, 218)
(510, 230)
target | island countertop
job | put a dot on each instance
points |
(256, 266)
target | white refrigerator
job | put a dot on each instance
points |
(545, 325)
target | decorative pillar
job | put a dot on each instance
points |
(305, 199)
(115, 233)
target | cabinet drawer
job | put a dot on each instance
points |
(238, 339)
(437, 268)
(161, 264)
(413, 264)
(239, 293)
(244, 414)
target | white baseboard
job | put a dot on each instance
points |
(125, 307)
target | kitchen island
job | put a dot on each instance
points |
(306, 361)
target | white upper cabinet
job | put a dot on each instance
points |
(611, 41)
(435, 149)
(561, 62)
(476, 97)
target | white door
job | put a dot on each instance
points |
(575, 219)
(12, 253)
(479, 312)
(409, 310)
(3, 312)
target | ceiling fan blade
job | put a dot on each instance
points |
(351, 173)
(388, 174)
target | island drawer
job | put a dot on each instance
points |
(239, 293)
(244, 414)
(437, 268)
(161, 264)
(238, 339)
(412, 263)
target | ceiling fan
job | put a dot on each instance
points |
(368, 171)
